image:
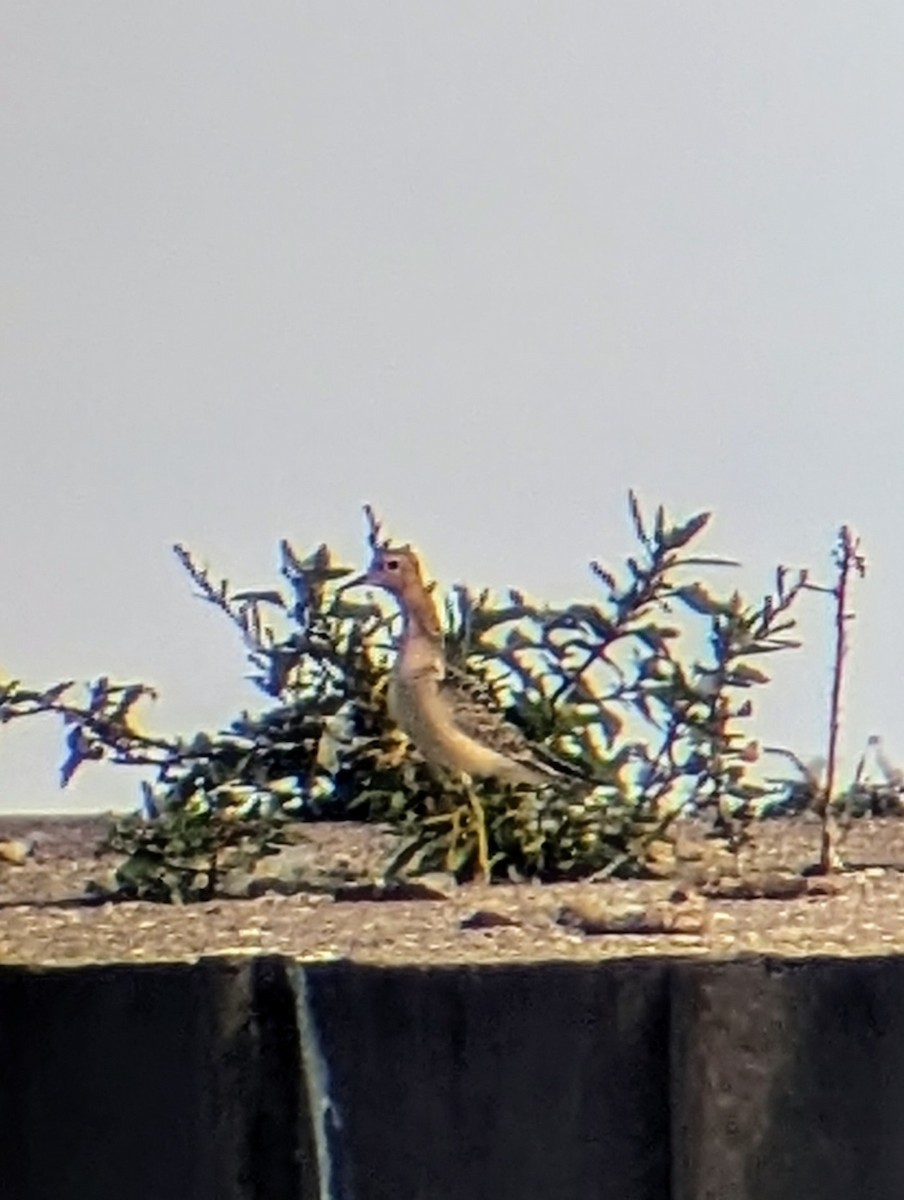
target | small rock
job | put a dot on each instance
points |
(682, 893)
(596, 919)
(773, 885)
(235, 884)
(486, 918)
(288, 872)
(660, 860)
(443, 883)
(16, 851)
(688, 851)
(822, 886)
(103, 885)
(687, 920)
(433, 886)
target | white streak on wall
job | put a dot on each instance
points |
(325, 1118)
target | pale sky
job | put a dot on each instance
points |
(485, 265)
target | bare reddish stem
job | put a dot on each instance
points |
(847, 559)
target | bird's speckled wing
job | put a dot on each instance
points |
(474, 708)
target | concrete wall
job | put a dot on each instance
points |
(788, 1080)
(155, 1082)
(633, 1080)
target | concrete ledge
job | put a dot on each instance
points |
(265, 1080)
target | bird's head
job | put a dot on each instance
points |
(395, 568)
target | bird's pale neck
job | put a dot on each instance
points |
(421, 622)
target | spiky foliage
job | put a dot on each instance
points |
(607, 687)
(184, 853)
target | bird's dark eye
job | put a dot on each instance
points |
(392, 564)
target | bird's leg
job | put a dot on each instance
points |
(453, 839)
(480, 826)
(478, 817)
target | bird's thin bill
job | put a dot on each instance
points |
(358, 581)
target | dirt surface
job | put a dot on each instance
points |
(714, 906)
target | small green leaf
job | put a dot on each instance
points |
(709, 561)
(742, 675)
(265, 597)
(699, 600)
(636, 517)
(680, 535)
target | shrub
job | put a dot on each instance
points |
(641, 693)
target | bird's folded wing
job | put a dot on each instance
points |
(473, 705)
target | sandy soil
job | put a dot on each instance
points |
(770, 908)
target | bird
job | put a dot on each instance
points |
(446, 713)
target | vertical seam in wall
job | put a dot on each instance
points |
(325, 1118)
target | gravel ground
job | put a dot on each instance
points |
(768, 907)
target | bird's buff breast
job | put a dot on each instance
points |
(417, 707)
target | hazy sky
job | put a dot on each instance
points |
(486, 265)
